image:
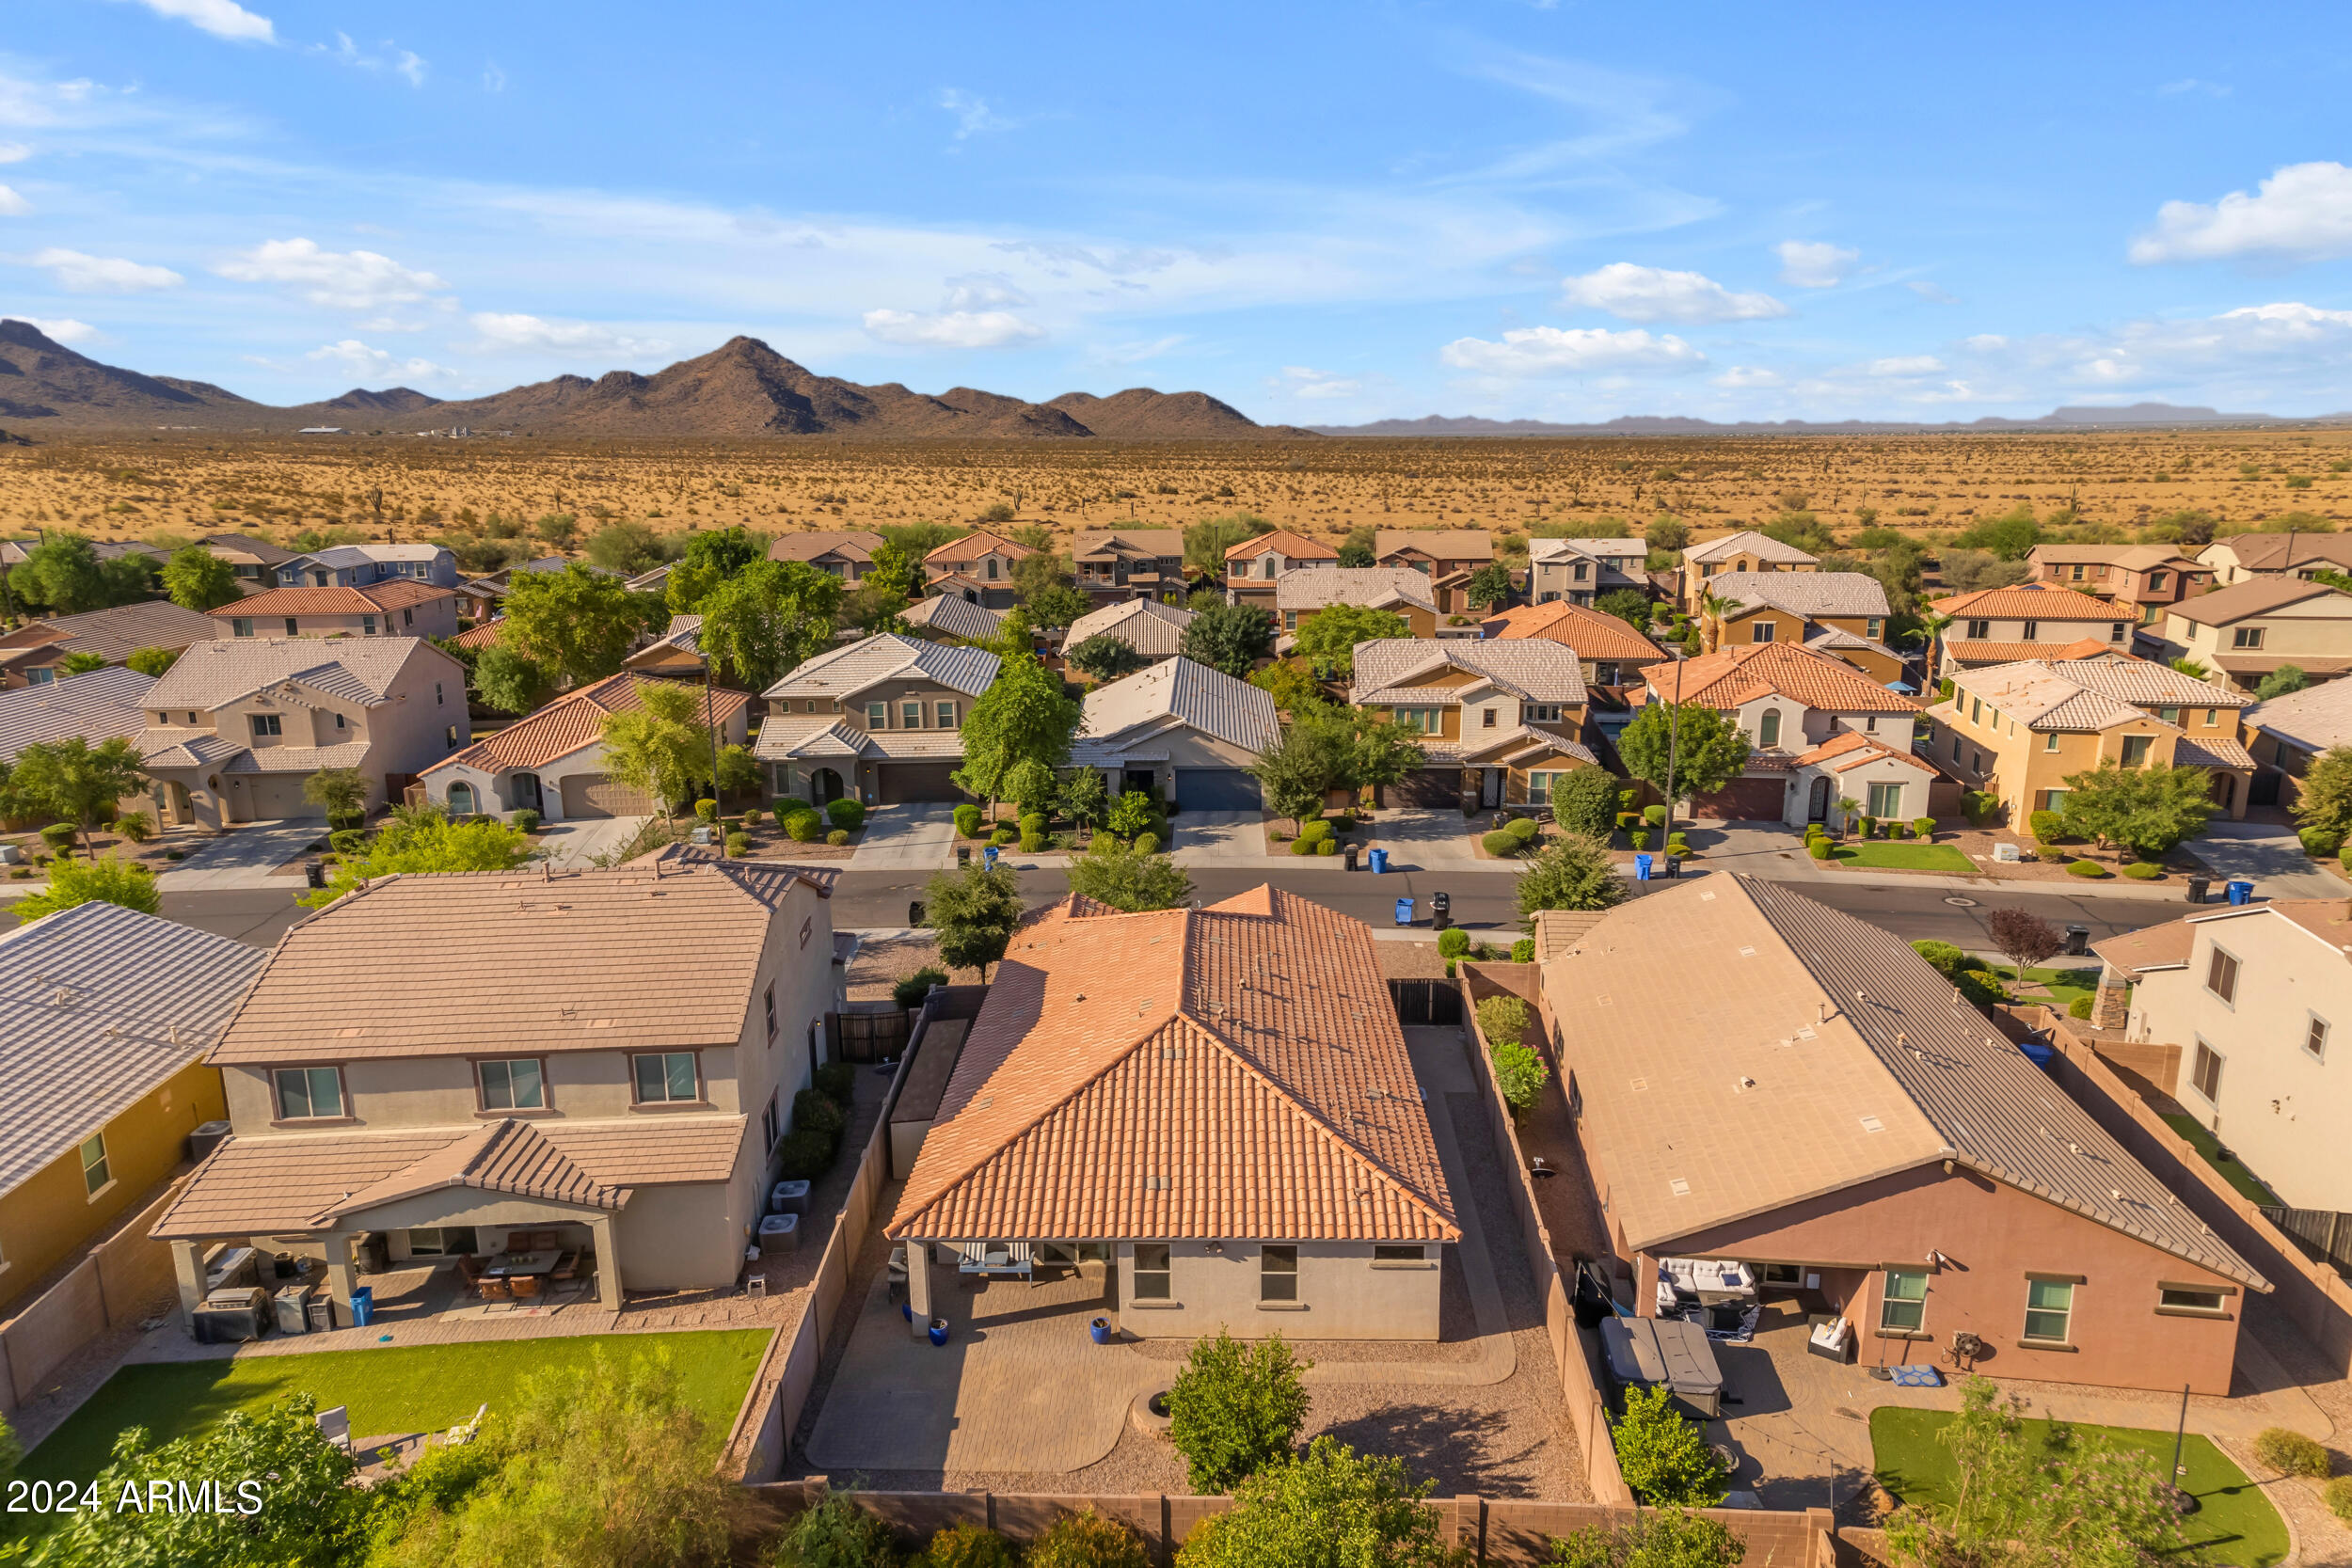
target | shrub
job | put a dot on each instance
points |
(1032, 843)
(751, 816)
(1147, 844)
(1002, 837)
(2043, 826)
(837, 1081)
(738, 845)
(1625, 820)
(814, 1111)
(1088, 1539)
(969, 1547)
(706, 810)
(1503, 1020)
(2080, 1007)
(2290, 1453)
(1943, 955)
(804, 826)
(347, 841)
(908, 993)
(1315, 832)
(59, 836)
(1677, 837)
(1329, 846)
(175, 854)
(1034, 822)
(1344, 822)
(1981, 806)
(1817, 848)
(1923, 825)
(1663, 1455)
(968, 821)
(1235, 1409)
(1302, 846)
(2338, 1495)
(836, 1534)
(1453, 941)
(1503, 843)
(2143, 871)
(1639, 838)
(1521, 1075)
(2321, 842)
(2087, 869)
(838, 837)
(21, 873)
(136, 826)
(805, 1155)
(1654, 815)
(846, 812)
(1523, 951)
(1524, 828)
(1869, 827)
(1628, 798)
(2049, 852)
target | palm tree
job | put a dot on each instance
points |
(1711, 608)
(1847, 810)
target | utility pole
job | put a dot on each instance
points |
(1674, 746)
(710, 721)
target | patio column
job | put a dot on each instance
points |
(607, 1263)
(1644, 1285)
(919, 1286)
(342, 1277)
(187, 1267)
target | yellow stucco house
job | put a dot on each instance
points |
(1843, 614)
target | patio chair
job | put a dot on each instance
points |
(566, 1266)
(525, 1286)
(470, 1268)
(335, 1426)
(494, 1290)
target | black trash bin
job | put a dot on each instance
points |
(1673, 867)
(914, 913)
(2196, 886)
(2077, 941)
(315, 871)
(1440, 910)
(1349, 851)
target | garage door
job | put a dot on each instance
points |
(594, 795)
(1745, 800)
(1217, 789)
(1429, 787)
(270, 798)
(905, 783)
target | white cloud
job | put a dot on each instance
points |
(951, 328)
(222, 19)
(1931, 292)
(91, 274)
(1814, 263)
(404, 63)
(370, 364)
(14, 152)
(2244, 359)
(1557, 351)
(411, 66)
(1638, 293)
(340, 280)
(1302, 382)
(65, 330)
(1908, 364)
(493, 78)
(11, 204)
(1740, 377)
(973, 115)
(2302, 213)
(1135, 353)
(983, 291)
(516, 332)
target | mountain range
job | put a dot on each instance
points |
(2129, 416)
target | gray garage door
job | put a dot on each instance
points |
(270, 798)
(906, 782)
(1427, 786)
(594, 795)
(1217, 789)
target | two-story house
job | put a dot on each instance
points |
(619, 1097)
(1130, 564)
(1446, 557)
(1746, 551)
(394, 608)
(34, 653)
(552, 761)
(2001, 626)
(1574, 570)
(978, 566)
(2142, 580)
(847, 553)
(2236, 558)
(1152, 629)
(1299, 596)
(360, 566)
(1253, 566)
(2253, 628)
(1819, 731)
(880, 720)
(2247, 999)
(1843, 614)
(2287, 734)
(1183, 729)
(2020, 730)
(1609, 650)
(236, 726)
(1497, 722)
(254, 561)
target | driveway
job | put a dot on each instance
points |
(2267, 855)
(1758, 849)
(1420, 837)
(243, 857)
(907, 838)
(1217, 838)
(569, 846)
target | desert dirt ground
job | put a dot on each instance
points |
(167, 487)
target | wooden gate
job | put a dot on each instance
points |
(1425, 1001)
(868, 1036)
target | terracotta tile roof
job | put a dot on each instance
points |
(1375, 587)
(1461, 544)
(1731, 676)
(2259, 665)
(1235, 1072)
(1532, 669)
(1720, 1018)
(1295, 547)
(1762, 546)
(2254, 597)
(1152, 629)
(843, 672)
(1591, 633)
(2027, 601)
(118, 633)
(693, 938)
(504, 1156)
(1810, 594)
(1965, 651)
(2133, 558)
(577, 720)
(1177, 691)
(973, 545)
(483, 636)
(1850, 749)
(850, 543)
(2313, 719)
(375, 600)
(99, 704)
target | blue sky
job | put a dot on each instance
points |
(1322, 213)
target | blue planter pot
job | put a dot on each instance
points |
(1100, 1331)
(939, 1331)
(906, 1311)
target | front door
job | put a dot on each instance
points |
(1492, 795)
(824, 786)
(1135, 779)
(527, 793)
(1817, 805)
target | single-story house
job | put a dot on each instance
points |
(2286, 735)
(552, 761)
(34, 653)
(1155, 630)
(1182, 728)
(97, 706)
(951, 618)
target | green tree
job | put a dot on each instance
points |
(1024, 715)
(896, 571)
(1584, 801)
(1659, 1537)
(1381, 753)
(343, 791)
(1236, 1408)
(1490, 585)
(152, 661)
(629, 548)
(1964, 571)
(197, 579)
(1574, 873)
(64, 574)
(75, 781)
(739, 770)
(1030, 784)
(1630, 604)
(975, 910)
(1088, 1539)
(2326, 801)
(111, 880)
(2286, 678)
(1328, 640)
(1057, 605)
(1359, 548)
(1667, 533)
(1312, 756)
(2147, 809)
(1520, 1074)
(577, 624)
(2193, 668)
(1292, 687)
(1206, 542)
(710, 558)
(1230, 637)
(1035, 573)
(558, 529)
(1663, 1455)
(2010, 536)
(1104, 656)
(918, 539)
(507, 681)
(769, 618)
(661, 746)
(1331, 1507)
(1706, 747)
(1084, 797)
(422, 841)
(1111, 873)
(81, 664)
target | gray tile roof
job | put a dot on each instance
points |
(361, 669)
(99, 706)
(116, 634)
(1532, 669)
(1375, 587)
(844, 673)
(2313, 719)
(1152, 629)
(1806, 594)
(1183, 692)
(953, 615)
(99, 1005)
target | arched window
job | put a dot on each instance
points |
(461, 802)
(1768, 728)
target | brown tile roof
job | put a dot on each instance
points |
(1558, 931)
(1390, 671)
(1378, 587)
(850, 543)
(1461, 544)
(1763, 547)
(577, 720)
(691, 936)
(116, 634)
(2027, 602)
(2151, 948)
(1296, 547)
(1731, 676)
(504, 1156)
(375, 600)
(1155, 543)
(1850, 749)
(1739, 1048)
(1231, 1072)
(973, 545)
(1593, 634)
(2279, 552)
(2254, 597)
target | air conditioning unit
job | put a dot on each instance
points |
(206, 1138)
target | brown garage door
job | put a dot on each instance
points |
(1745, 800)
(904, 782)
(594, 795)
(1429, 787)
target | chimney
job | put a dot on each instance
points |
(2110, 1006)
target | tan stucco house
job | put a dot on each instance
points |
(1843, 614)
(2240, 556)
(1181, 728)
(2288, 734)
(1446, 557)
(552, 761)
(2001, 626)
(1745, 551)
(1610, 651)
(1300, 596)
(1497, 720)
(1130, 564)
(1253, 566)
(2141, 579)
(977, 568)
(1574, 570)
(880, 720)
(396, 607)
(2253, 628)
(847, 553)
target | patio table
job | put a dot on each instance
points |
(508, 1264)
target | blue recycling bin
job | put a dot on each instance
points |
(363, 1306)
(1641, 868)
(1379, 861)
(2241, 893)
(1404, 912)
(987, 857)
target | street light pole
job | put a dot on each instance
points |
(1674, 746)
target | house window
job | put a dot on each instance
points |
(910, 716)
(2222, 975)
(290, 628)
(96, 1176)
(241, 626)
(1768, 728)
(44, 676)
(450, 736)
(1886, 800)
(1487, 718)
(2316, 1039)
(442, 1241)
(367, 626)
(2246, 637)
(1955, 747)
(2053, 800)
(1539, 788)
(1583, 571)
(1278, 1274)
(2136, 750)
(305, 1092)
(1786, 1275)
(1420, 720)
(1150, 1271)
(877, 716)
(665, 1076)
(438, 699)
(2155, 582)
(1290, 620)
(2213, 716)
(1398, 1254)
(2033, 631)
(1544, 713)
(1980, 630)
(2206, 1074)
(1877, 627)
(338, 722)
(946, 716)
(1266, 568)
(2049, 1306)
(265, 723)
(1903, 1304)
(2190, 1298)
(771, 1125)
(2050, 741)
(2115, 631)
(1763, 632)
(408, 617)
(991, 568)
(1976, 710)
(769, 1001)
(2169, 715)
(2077, 576)
(513, 1084)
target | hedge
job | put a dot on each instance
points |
(838, 837)
(2045, 826)
(846, 812)
(2143, 871)
(1505, 844)
(1032, 843)
(1524, 828)
(1923, 825)
(1818, 848)
(802, 826)
(2321, 842)
(816, 1112)
(804, 1156)
(1302, 846)
(1314, 831)
(2085, 868)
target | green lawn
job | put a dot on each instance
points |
(1905, 855)
(2245, 1181)
(2065, 985)
(2234, 1523)
(392, 1389)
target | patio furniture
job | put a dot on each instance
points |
(995, 1258)
(1831, 1339)
(525, 1286)
(1651, 1352)
(895, 1271)
(566, 1266)
(756, 1286)
(509, 1265)
(468, 1268)
(494, 1290)
(335, 1426)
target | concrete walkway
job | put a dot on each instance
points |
(907, 838)
(569, 845)
(243, 857)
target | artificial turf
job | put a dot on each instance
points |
(1905, 855)
(395, 1389)
(2234, 1523)
(2248, 1185)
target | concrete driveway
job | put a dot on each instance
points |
(243, 857)
(1217, 838)
(2267, 855)
(918, 837)
(1758, 849)
(569, 846)
(1420, 837)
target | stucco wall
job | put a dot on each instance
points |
(1342, 1294)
